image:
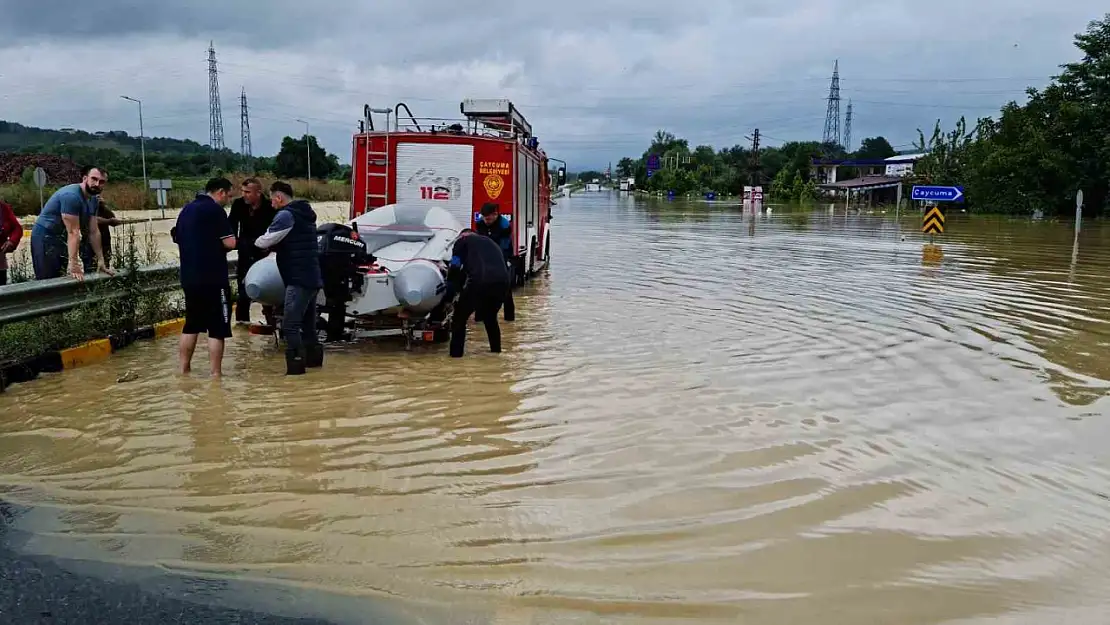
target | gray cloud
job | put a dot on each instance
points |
(595, 78)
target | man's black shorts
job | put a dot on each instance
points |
(208, 309)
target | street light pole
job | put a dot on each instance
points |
(142, 145)
(307, 148)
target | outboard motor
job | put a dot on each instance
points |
(342, 252)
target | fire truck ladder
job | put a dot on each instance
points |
(382, 156)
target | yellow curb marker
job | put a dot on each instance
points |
(165, 328)
(87, 354)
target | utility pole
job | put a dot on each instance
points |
(244, 126)
(215, 115)
(307, 148)
(142, 145)
(832, 112)
(848, 128)
(755, 158)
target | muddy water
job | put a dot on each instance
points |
(699, 417)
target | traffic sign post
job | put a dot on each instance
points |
(933, 223)
(161, 186)
(937, 194)
(40, 182)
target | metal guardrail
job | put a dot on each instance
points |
(39, 298)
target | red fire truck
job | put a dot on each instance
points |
(489, 155)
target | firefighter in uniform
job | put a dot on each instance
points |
(478, 267)
(493, 225)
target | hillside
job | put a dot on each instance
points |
(120, 154)
(17, 137)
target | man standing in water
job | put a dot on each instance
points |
(477, 260)
(250, 215)
(293, 235)
(68, 216)
(204, 238)
(495, 226)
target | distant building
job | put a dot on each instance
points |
(902, 164)
(878, 181)
(826, 170)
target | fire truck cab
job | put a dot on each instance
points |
(489, 155)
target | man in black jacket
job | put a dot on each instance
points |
(293, 235)
(477, 260)
(250, 215)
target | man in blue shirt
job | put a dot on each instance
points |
(204, 238)
(293, 235)
(495, 226)
(69, 215)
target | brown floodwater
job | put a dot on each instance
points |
(699, 417)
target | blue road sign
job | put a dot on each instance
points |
(938, 194)
(653, 162)
(650, 172)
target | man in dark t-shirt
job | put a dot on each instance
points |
(204, 238)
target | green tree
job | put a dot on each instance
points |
(291, 160)
(626, 167)
(875, 148)
(1036, 155)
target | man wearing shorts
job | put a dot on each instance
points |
(204, 238)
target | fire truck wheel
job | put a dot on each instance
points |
(518, 271)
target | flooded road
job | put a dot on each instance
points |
(698, 417)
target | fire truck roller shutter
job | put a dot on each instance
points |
(439, 174)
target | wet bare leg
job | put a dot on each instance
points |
(185, 352)
(216, 356)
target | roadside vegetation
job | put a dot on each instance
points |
(141, 303)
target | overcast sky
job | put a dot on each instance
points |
(596, 78)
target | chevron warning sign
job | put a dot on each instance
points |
(933, 222)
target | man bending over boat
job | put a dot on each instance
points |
(293, 235)
(477, 260)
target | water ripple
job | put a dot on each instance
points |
(699, 415)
